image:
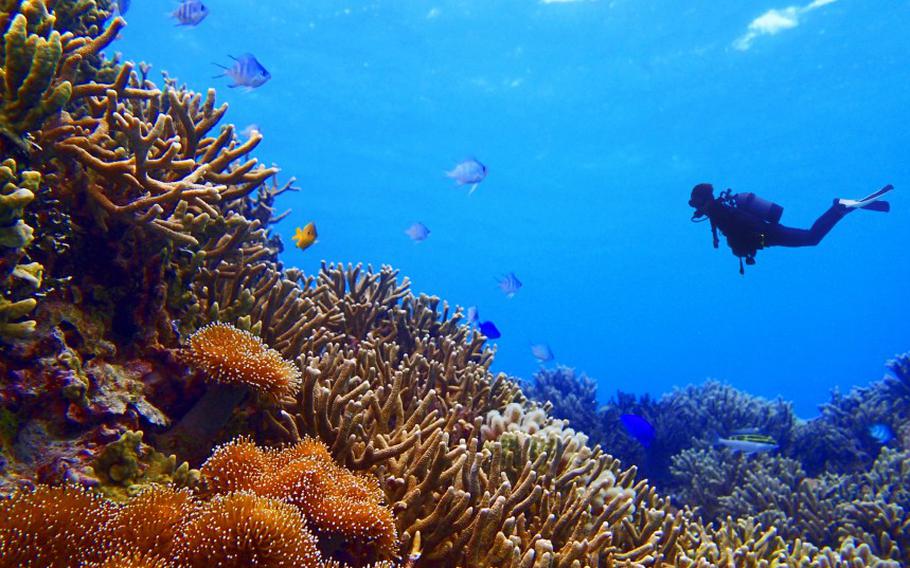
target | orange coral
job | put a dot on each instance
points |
(53, 526)
(130, 560)
(235, 466)
(333, 499)
(242, 529)
(149, 521)
(236, 357)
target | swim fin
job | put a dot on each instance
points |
(869, 202)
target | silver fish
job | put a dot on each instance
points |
(542, 352)
(469, 171)
(190, 13)
(747, 446)
(417, 232)
(509, 284)
(246, 72)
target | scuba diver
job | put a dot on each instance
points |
(751, 223)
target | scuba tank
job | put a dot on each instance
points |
(762, 208)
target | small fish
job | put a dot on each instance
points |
(418, 232)
(542, 352)
(190, 13)
(246, 72)
(748, 443)
(251, 130)
(489, 330)
(473, 315)
(881, 432)
(638, 428)
(123, 6)
(306, 236)
(469, 171)
(509, 284)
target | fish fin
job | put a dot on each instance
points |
(473, 187)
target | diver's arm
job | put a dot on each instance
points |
(714, 233)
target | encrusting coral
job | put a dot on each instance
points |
(151, 222)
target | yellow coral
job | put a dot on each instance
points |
(28, 77)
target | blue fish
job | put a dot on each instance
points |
(542, 352)
(246, 72)
(509, 284)
(489, 330)
(881, 432)
(123, 6)
(469, 171)
(418, 232)
(190, 13)
(638, 428)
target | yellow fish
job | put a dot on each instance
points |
(306, 236)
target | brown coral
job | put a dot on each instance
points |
(245, 530)
(235, 357)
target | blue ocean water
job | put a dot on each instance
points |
(595, 119)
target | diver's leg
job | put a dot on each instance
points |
(779, 235)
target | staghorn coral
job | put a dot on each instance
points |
(31, 91)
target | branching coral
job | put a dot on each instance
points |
(28, 80)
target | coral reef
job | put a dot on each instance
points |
(152, 227)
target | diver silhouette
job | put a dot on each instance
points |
(751, 223)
